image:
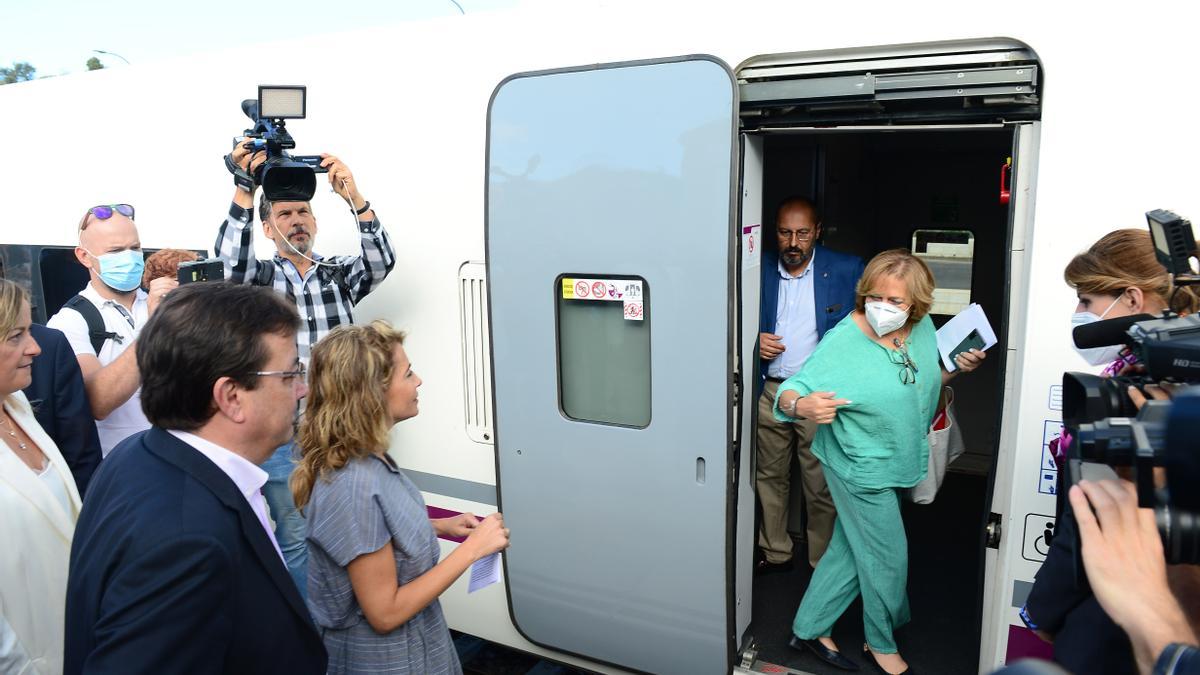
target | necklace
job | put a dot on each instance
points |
(11, 432)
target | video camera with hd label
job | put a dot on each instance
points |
(1103, 424)
(283, 177)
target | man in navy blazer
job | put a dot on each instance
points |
(174, 568)
(806, 290)
(61, 406)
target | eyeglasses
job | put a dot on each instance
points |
(300, 371)
(106, 211)
(908, 369)
(798, 235)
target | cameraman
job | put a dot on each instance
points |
(324, 290)
(1123, 555)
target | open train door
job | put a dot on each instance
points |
(611, 257)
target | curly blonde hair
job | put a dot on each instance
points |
(347, 413)
(902, 264)
(1125, 259)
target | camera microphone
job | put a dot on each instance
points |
(1107, 331)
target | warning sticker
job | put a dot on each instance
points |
(626, 291)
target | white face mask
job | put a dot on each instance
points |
(885, 317)
(1097, 356)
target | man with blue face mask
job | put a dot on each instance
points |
(109, 247)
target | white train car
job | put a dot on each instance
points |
(514, 155)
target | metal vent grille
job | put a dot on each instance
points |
(476, 355)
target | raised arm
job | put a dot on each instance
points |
(235, 238)
(363, 272)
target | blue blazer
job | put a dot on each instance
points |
(172, 572)
(837, 275)
(60, 404)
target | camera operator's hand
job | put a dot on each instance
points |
(1157, 392)
(343, 184)
(1123, 556)
(158, 290)
(248, 161)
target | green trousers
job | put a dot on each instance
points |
(868, 554)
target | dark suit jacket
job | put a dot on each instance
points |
(836, 275)
(61, 406)
(172, 572)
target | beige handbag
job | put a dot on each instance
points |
(945, 445)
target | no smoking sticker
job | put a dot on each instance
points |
(625, 291)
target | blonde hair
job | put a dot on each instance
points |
(903, 265)
(12, 298)
(1125, 259)
(347, 413)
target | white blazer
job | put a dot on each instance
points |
(35, 549)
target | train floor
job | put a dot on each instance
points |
(944, 581)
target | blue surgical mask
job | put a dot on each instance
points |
(122, 270)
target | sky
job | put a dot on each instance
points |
(58, 36)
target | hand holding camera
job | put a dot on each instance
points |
(1123, 555)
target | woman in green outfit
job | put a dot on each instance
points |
(872, 385)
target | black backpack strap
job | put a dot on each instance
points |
(95, 322)
(264, 275)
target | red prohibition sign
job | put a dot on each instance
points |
(581, 289)
(598, 289)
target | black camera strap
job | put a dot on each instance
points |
(240, 177)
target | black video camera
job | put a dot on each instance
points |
(283, 177)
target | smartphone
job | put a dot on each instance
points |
(972, 341)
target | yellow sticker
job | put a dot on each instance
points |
(568, 289)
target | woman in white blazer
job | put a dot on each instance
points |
(39, 505)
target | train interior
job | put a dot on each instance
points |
(936, 192)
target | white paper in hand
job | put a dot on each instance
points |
(484, 573)
(957, 329)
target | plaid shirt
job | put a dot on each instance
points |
(326, 294)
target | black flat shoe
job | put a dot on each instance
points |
(824, 653)
(870, 657)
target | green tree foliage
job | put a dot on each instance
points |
(20, 72)
(94, 64)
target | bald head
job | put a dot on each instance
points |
(115, 233)
(799, 206)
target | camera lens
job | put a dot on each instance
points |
(1180, 532)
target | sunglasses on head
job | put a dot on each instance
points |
(106, 211)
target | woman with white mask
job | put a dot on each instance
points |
(1117, 276)
(873, 386)
(1120, 276)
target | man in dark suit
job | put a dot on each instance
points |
(174, 568)
(806, 290)
(61, 405)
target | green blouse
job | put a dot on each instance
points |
(878, 440)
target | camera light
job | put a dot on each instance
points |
(281, 101)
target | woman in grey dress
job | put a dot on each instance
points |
(373, 573)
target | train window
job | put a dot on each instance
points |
(604, 348)
(950, 255)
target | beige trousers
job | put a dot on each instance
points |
(776, 443)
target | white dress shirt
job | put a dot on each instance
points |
(127, 419)
(246, 475)
(795, 320)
